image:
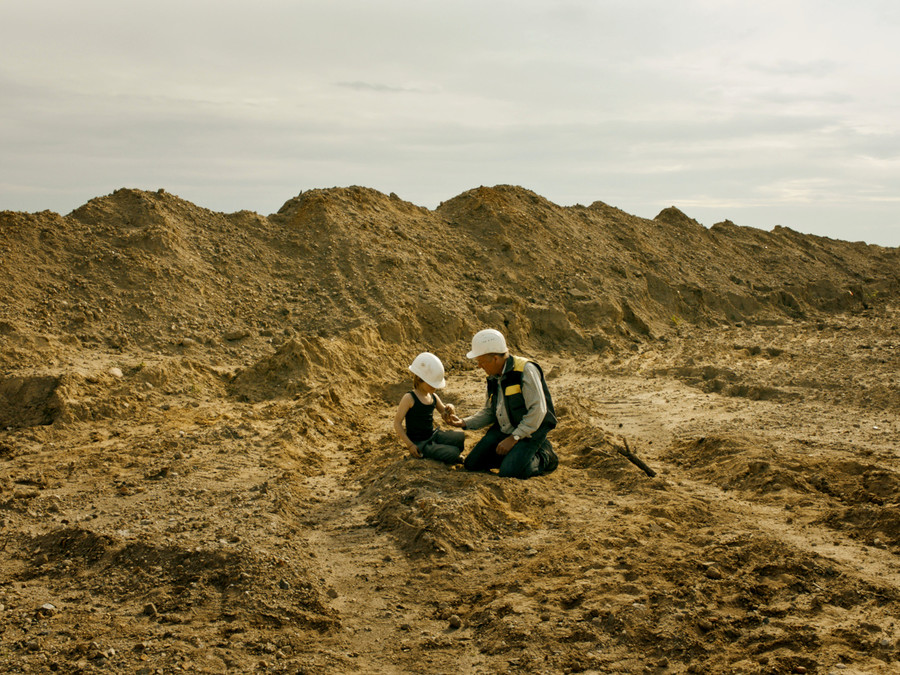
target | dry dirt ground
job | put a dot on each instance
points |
(198, 470)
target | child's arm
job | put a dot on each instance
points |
(405, 404)
(446, 410)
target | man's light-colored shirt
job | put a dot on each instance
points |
(535, 402)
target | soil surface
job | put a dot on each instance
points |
(198, 471)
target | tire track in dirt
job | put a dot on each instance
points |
(658, 419)
(659, 416)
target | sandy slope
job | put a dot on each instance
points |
(198, 471)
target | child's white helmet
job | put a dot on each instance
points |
(429, 367)
(487, 341)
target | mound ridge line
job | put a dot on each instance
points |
(152, 270)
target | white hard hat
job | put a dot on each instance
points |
(487, 341)
(429, 367)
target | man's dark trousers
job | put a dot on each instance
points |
(522, 461)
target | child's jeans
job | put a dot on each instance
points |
(444, 446)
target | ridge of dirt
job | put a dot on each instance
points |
(148, 270)
(198, 471)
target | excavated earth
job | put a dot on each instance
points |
(198, 471)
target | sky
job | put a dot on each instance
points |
(760, 112)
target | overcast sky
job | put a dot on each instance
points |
(761, 112)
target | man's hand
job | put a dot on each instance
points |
(504, 446)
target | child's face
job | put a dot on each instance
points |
(427, 388)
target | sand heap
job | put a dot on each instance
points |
(198, 471)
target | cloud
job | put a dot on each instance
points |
(381, 88)
(641, 104)
(819, 68)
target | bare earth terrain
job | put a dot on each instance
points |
(198, 471)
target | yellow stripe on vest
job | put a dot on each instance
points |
(515, 389)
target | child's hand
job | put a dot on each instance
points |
(414, 451)
(450, 416)
(454, 421)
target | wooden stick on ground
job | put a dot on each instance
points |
(634, 459)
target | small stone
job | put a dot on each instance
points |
(713, 572)
(332, 593)
(115, 372)
(455, 621)
(150, 609)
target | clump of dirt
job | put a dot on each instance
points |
(435, 510)
(198, 470)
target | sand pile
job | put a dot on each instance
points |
(198, 471)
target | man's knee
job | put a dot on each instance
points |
(521, 470)
(514, 472)
(475, 462)
(521, 463)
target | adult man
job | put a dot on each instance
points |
(518, 409)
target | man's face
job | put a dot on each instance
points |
(492, 364)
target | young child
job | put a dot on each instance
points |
(416, 409)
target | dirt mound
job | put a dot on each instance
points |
(674, 216)
(198, 470)
(858, 498)
(150, 270)
(27, 400)
(100, 392)
(162, 583)
(741, 464)
(302, 365)
(434, 510)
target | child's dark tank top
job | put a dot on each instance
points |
(420, 420)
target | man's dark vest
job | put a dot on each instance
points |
(511, 381)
